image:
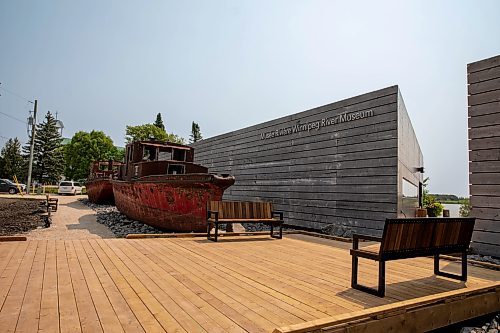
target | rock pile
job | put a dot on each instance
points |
(118, 223)
(484, 258)
(339, 230)
(491, 327)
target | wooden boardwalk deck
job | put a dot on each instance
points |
(240, 284)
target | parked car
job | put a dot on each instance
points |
(69, 187)
(10, 187)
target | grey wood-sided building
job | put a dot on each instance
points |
(347, 165)
(483, 79)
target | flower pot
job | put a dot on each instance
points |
(431, 212)
(421, 212)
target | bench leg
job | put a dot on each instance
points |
(462, 277)
(209, 228)
(380, 291)
(280, 235)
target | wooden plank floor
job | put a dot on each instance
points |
(240, 284)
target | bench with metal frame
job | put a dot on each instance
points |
(51, 203)
(414, 237)
(228, 212)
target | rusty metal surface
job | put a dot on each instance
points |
(170, 202)
(100, 191)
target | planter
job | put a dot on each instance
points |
(421, 212)
(431, 212)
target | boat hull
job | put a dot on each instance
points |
(170, 202)
(100, 191)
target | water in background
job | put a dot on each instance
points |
(454, 209)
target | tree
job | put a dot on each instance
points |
(195, 133)
(150, 131)
(159, 122)
(48, 157)
(11, 160)
(87, 147)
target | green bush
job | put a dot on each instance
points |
(465, 208)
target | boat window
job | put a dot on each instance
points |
(149, 153)
(164, 156)
(179, 155)
(175, 169)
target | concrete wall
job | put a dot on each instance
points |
(483, 79)
(335, 164)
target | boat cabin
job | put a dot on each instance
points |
(104, 169)
(147, 158)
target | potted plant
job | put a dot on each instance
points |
(434, 209)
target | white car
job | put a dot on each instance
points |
(69, 187)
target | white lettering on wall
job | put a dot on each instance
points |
(317, 125)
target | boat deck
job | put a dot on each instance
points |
(240, 284)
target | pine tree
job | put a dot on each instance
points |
(48, 157)
(195, 133)
(159, 122)
(12, 161)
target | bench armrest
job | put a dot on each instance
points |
(277, 213)
(214, 213)
(357, 237)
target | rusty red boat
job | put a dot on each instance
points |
(99, 187)
(160, 185)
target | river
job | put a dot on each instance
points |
(454, 209)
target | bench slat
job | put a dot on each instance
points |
(428, 234)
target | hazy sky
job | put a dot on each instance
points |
(231, 64)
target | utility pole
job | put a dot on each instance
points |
(32, 147)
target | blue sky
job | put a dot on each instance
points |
(231, 64)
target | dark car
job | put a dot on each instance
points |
(8, 186)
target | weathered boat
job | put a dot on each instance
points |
(99, 186)
(160, 185)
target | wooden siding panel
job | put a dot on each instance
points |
(484, 86)
(484, 132)
(485, 97)
(487, 190)
(485, 120)
(486, 166)
(344, 173)
(483, 64)
(484, 75)
(483, 109)
(485, 143)
(483, 79)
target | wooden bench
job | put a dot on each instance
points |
(410, 238)
(51, 203)
(224, 212)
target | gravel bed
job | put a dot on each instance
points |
(491, 327)
(118, 223)
(19, 216)
(488, 259)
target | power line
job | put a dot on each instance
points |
(12, 117)
(15, 94)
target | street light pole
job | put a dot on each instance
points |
(32, 147)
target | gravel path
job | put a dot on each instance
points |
(72, 220)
